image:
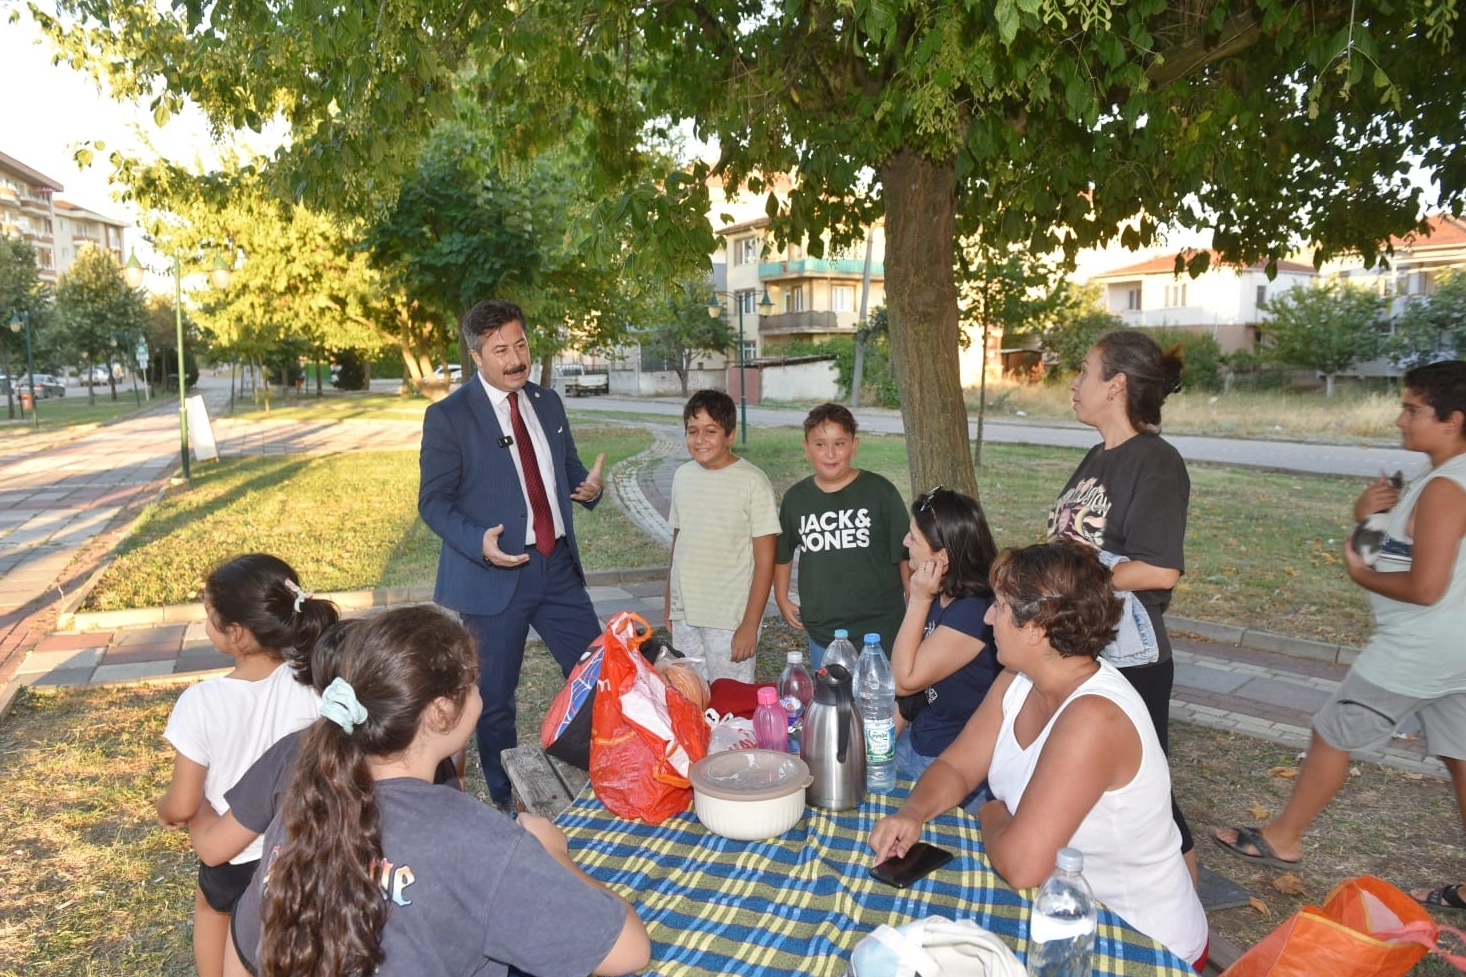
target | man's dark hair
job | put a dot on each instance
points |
(1441, 385)
(836, 414)
(716, 404)
(489, 316)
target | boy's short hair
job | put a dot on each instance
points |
(1441, 385)
(836, 414)
(716, 404)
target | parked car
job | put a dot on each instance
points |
(43, 385)
(455, 373)
(95, 376)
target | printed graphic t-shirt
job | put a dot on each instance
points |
(1130, 500)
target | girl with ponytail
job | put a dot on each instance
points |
(261, 616)
(371, 869)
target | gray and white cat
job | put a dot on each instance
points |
(1370, 533)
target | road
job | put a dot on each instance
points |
(1317, 459)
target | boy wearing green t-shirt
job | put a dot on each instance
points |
(847, 526)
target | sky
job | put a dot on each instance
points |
(51, 109)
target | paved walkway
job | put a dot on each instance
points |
(79, 498)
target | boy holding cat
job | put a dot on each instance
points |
(1413, 664)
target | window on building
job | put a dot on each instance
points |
(842, 298)
(746, 302)
(746, 250)
(1132, 300)
(1175, 296)
(796, 298)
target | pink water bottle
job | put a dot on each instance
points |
(770, 721)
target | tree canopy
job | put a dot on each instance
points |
(1047, 122)
(1328, 328)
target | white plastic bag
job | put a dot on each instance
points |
(729, 732)
(933, 946)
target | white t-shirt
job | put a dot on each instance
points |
(1131, 845)
(717, 513)
(226, 723)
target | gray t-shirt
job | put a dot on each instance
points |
(471, 892)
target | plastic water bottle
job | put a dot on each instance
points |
(796, 688)
(770, 721)
(875, 694)
(1061, 928)
(840, 652)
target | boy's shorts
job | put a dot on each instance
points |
(1363, 716)
(715, 647)
(222, 885)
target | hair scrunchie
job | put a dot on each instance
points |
(301, 595)
(339, 704)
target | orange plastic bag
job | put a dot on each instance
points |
(645, 737)
(1365, 928)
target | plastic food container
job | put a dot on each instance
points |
(749, 795)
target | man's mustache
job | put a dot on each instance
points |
(515, 371)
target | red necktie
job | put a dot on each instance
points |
(539, 501)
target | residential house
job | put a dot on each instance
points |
(1225, 301)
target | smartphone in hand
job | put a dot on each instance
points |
(919, 861)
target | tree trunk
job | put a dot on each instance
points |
(921, 292)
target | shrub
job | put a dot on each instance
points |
(352, 375)
(1201, 354)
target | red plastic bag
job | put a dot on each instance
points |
(565, 730)
(645, 737)
(1365, 928)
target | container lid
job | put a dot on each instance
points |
(872, 639)
(749, 775)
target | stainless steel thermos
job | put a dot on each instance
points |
(834, 743)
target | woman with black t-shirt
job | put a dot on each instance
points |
(1127, 499)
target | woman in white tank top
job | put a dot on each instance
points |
(1069, 752)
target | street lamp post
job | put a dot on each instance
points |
(30, 371)
(219, 277)
(765, 307)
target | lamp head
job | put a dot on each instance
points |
(133, 271)
(766, 304)
(715, 311)
(221, 275)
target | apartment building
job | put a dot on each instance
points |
(56, 228)
(77, 228)
(27, 210)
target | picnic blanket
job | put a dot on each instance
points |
(799, 903)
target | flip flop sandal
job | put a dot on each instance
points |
(1446, 897)
(1252, 838)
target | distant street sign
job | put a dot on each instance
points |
(142, 356)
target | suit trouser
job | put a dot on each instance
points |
(550, 596)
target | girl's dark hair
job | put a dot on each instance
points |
(323, 909)
(954, 522)
(254, 591)
(322, 659)
(1150, 375)
(1064, 589)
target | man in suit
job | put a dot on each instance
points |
(499, 470)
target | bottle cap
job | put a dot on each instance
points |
(794, 656)
(842, 633)
(872, 639)
(768, 695)
(1070, 860)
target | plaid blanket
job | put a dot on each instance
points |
(798, 904)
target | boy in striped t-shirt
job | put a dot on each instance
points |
(724, 529)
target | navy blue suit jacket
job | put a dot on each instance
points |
(469, 484)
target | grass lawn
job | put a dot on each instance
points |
(344, 522)
(71, 411)
(1262, 547)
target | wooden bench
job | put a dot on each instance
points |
(542, 784)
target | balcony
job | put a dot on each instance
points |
(805, 323)
(818, 268)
